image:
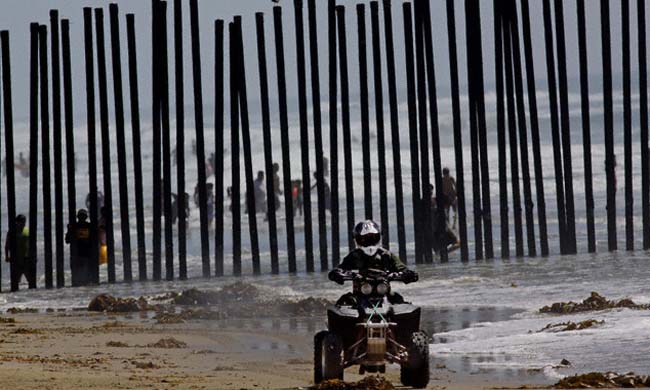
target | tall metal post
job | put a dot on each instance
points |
(198, 123)
(365, 119)
(107, 212)
(284, 137)
(555, 130)
(219, 145)
(9, 134)
(458, 140)
(57, 137)
(413, 129)
(179, 94)
(534, 129)
(345, 119)
(379, 115)
(304, 134)
(318, 134)
(643, 119)
(333, 119)
(116, 56)
(268, 147)
(137, 156)
(45, 157)
(610, 157)
(395, 133)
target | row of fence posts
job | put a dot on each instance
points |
(425, 161)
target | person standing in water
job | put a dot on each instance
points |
(78, 236)
(21, 263)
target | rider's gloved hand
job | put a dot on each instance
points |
(409, 276)
(336, 275)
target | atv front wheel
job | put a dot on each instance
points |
(415, 372)
(328, 363)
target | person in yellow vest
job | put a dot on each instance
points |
(18, 255)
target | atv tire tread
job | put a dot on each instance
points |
(329, 367)
(416, 372)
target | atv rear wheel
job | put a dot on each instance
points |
(328, 362)
(415, 372)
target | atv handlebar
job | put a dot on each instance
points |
(341, 276)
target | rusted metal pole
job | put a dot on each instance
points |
(45, 157)
(643, 119)
(345, 111)
(107, 212)
(137, 156)
(33, 148)
(610, 157)
(234, 146)
(534, 129)
(268, 146)
(565, 128)
(179, 93)
(246, 143)
(92, 152)
(555, 130)
(365, 120)
(333, 119)
(198, 123)
(413, 129)
(523, 133)
(116, 56)
(9, 133)
(379, 115)
(501, 131)
(627, 125)
(318, 134)
(458, 140)
(284, 137)
(304, 135)
(219, 146)
(58, 149)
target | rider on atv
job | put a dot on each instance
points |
(369, 254)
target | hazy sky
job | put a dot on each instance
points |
(17, 14)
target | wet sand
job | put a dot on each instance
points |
(69, 350)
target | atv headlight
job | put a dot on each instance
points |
(382, 288)
(366, 289)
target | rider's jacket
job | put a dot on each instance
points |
(382, 260)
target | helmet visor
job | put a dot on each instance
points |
(366, 240)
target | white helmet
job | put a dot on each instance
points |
(367, 236)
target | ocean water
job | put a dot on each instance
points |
(489, 325)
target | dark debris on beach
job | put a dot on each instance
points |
(595, 302)
(599, 380)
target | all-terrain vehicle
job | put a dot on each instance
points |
(372, 327)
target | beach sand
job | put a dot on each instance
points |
(66, 350)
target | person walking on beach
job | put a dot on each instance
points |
(259, 193)
(17, 255)
(78, 236)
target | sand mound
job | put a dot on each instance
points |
(111, 304)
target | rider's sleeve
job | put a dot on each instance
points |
(348, 263)
(397, 263)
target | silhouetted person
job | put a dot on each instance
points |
(449, 188)
(328, 191)
(78, 236)
(19, 259)
(296, 194)
(210, 203)
(277, 191)
(100, 200)
(259, 193)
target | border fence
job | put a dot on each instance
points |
(391, 177)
